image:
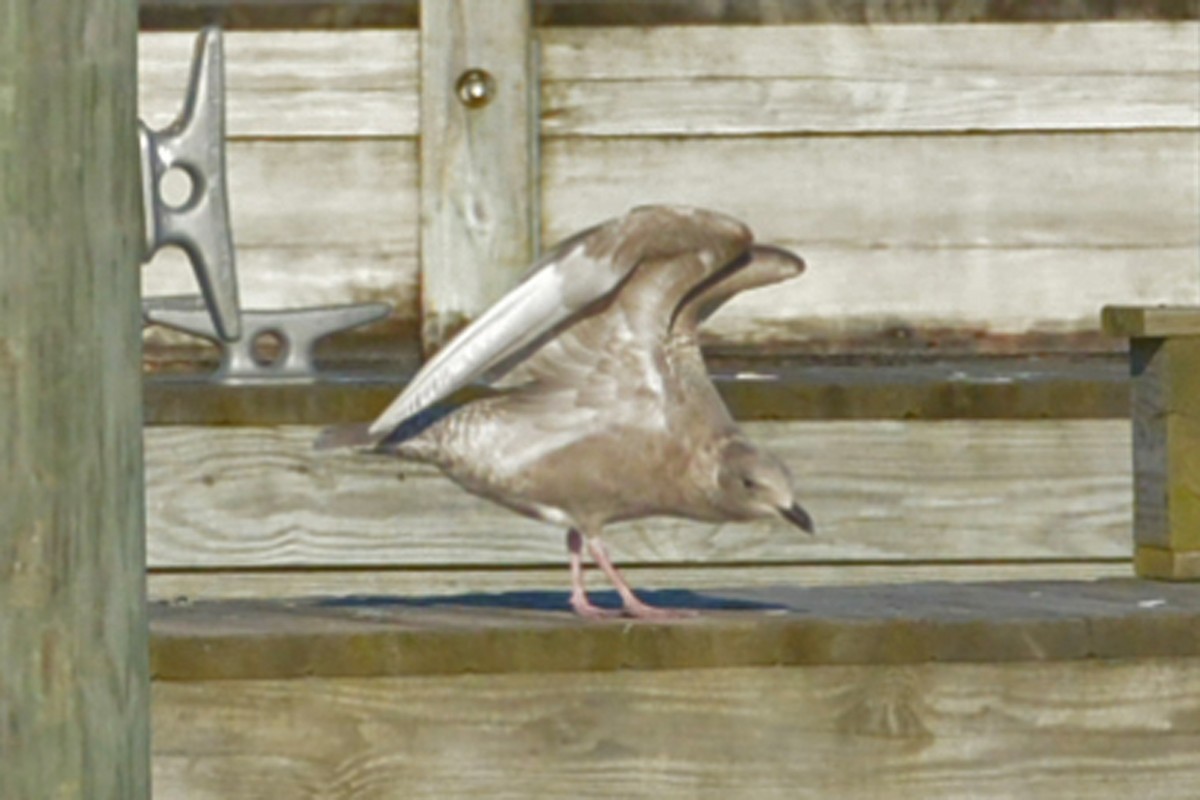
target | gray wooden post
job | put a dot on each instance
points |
(478, 158)
(1164, 352)
(73, 643)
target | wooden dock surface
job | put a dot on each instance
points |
(533, 631)
(1039, 690)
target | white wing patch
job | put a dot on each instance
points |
(547, 297)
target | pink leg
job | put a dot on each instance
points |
(633, 606)
(580, 603)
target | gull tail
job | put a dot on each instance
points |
(404, 441)
(354, 434)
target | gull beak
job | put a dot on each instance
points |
(798, 517)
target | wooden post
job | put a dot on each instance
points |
(1165, 365)
(73, 642)
(478, 160)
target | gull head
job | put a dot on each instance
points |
(752, 483)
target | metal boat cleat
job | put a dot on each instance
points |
(276, 346)
(264, 346)
(195, 144)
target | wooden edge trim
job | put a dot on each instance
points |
(782, 626)
(1158, 563)
(1151, 321)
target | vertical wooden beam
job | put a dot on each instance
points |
(478, 158)
(73, 642)
(1165, 370)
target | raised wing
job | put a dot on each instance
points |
(660, 306)
(762, 265)
(578, 274)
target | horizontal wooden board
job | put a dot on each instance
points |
(777, 626)
(1152, 322)
(1081, 220)
(845, 294)
(293, 83)
(753, 388)
(1065, 731)
(701, 81)
(326, 14)
(705, 81)
(185, 586)
(843, 51)
(324, 192)
(315, 222)
(1004, 233)
(1097, 191)
(850, 292)
(997, 233)
(280, 277)
(254, 497)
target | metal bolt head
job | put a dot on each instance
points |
(475, 88)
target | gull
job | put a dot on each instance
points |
(599, 407)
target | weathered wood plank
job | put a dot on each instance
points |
(703, 81)
(873, 207)
(1043, 230)
(870, 12)
(1166, 456)
(1151, 321)
(860, 290)
(847, 51)
(182, 586)
(310, 274)
(478, 160)
(754, 388)
(846, 294)
(1067, 731)
(905, 192)
(721, 81)
(324, 14)
(975, 222)
(273, 15)
(74, 687)
(293, 83)
(315, 223)
(257, 497)
(780, 626)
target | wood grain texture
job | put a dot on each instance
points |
(74, 686)
(1166, 444)
(769, 627)
(180, 586)
(754, 386)
(749, 81)
(1070, 731)
(478, 162)
(293, 83)
(1006, 233)
(316, 222)
(886, 490)
(1151, 321)
(708, 81)
(1170, 565)
(1081, 219)
(325, 14)
(948, 192)
(1044, 230)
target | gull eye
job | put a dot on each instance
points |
(748, 483)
